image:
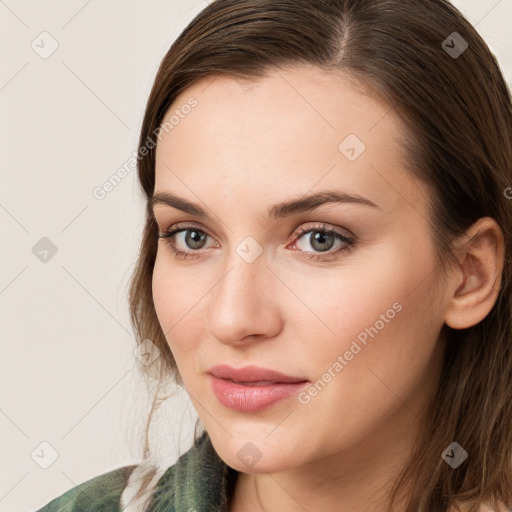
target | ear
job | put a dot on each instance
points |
(476, 280)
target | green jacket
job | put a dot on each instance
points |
(199, 481)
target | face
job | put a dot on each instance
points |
(344, 294)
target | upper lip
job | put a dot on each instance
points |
(251, 373)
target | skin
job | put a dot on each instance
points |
(245, 147)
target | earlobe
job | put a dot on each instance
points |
(477, 278)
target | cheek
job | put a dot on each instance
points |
(164, 295)
(168, 300)
(174, 292)
(177, 298)
(377, 308)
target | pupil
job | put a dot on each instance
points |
(321, 238)
(195, 237)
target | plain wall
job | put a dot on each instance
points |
(68, 122)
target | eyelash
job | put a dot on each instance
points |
(349, 242)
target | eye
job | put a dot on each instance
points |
(189, 236)
(321, 238)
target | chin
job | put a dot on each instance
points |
(257, 456)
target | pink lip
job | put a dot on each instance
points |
(226, 384)
(252, 373)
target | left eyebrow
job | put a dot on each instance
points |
(277, 211)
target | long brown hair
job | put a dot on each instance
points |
(458, 111)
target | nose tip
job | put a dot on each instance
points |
(243, 306)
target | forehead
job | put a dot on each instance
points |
(293, 131)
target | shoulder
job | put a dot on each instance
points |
(101, 493)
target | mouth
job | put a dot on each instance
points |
(252, 389)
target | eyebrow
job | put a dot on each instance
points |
(277, 211)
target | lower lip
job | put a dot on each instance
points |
(242, 398)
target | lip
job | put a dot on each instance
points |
(227, 387)
(252, 373)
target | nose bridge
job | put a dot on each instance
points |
(243, 276)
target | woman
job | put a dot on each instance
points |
(374, 373)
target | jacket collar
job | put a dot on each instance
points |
(199, 480)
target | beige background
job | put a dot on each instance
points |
(68, 122)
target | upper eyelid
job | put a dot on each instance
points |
(195, 224)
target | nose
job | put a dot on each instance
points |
(244, 305)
